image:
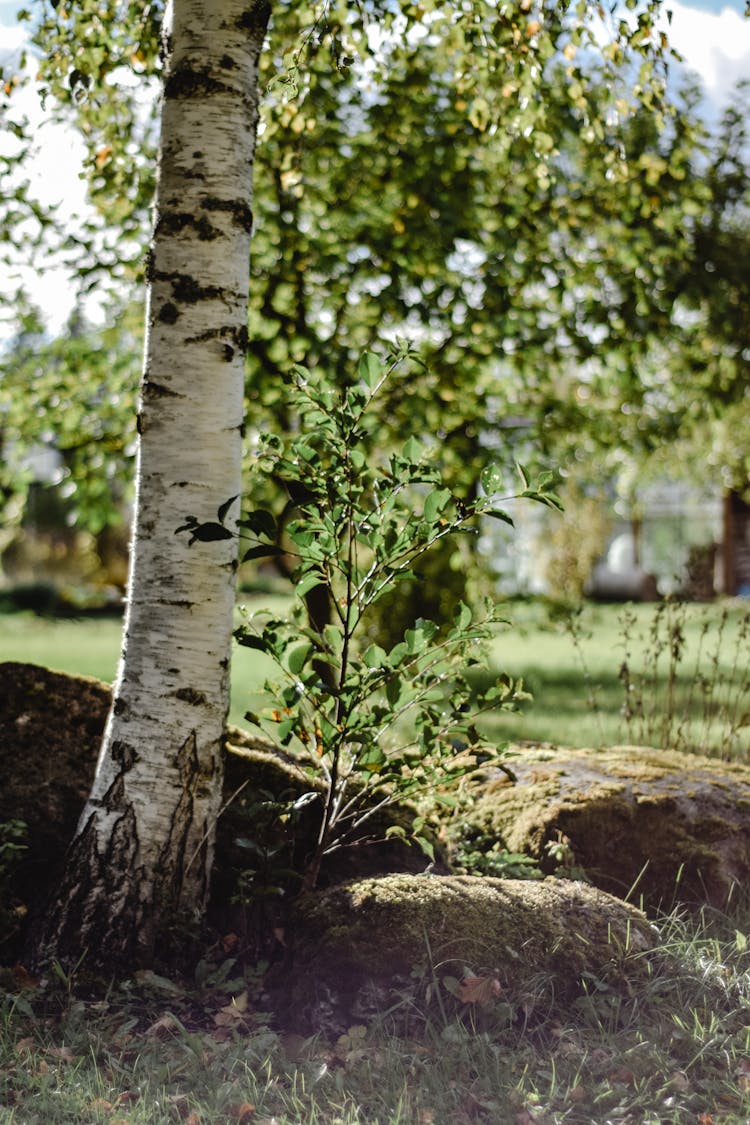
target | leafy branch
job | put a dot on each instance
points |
(380, 727)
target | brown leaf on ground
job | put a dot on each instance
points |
(163, 1028)
(101, 1105)
(243, 1113)
(64, 1054)
(233, 1013)
(23, 980)
(479, 990)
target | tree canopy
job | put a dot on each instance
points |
(516, 190)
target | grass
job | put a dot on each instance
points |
(580, 668)
(673, 675)
(90, 646)
(157, 1052)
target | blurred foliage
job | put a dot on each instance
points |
(509, 188)
(573, 546)
(69, 403)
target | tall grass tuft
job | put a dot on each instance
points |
(689, 688)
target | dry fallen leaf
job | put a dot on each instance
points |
(242, 1113)
(101, 1105)
(234, 1013)
(165, 1027)
(479, 990)
(64, 1054)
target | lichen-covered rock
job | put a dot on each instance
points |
(371, 942)
(662, 825)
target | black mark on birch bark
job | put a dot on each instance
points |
(190, 695)
(124, 754)
(172, 858)
(175, 222)
(235, 339)
(193, 82)
(188, 291)
(158, 390)
(241, 213)
(168, 313)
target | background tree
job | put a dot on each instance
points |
(512, 236)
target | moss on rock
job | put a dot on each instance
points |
(675, 824)
(542, 941)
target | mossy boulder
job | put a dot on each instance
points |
(369, 944)
(51, 726)
(663, 825)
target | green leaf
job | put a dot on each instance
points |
(372, 760)
(262, 551)
(435, 503)
(308, 582)
(251, 640)
(492, 479)
(297, 657)
(393, 690)
(462, 617)
(499, 514)
(334, 638)
(260, 522)
(224, 508)
(426, 846)
(370, 370)
(210, 533)
(375, 656)
(285, 730)
(412, 451)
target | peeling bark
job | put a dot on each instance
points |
(141, 859)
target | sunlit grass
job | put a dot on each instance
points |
(674, 1051)
(675, 676)
(572, 665)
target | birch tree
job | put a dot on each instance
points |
(141, 857)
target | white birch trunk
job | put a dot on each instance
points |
(141, 859)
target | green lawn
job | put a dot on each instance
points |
(684, 671)
(91, 647)
(573, 671)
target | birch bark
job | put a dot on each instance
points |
(141, 859)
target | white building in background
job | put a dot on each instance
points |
(676, 538)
